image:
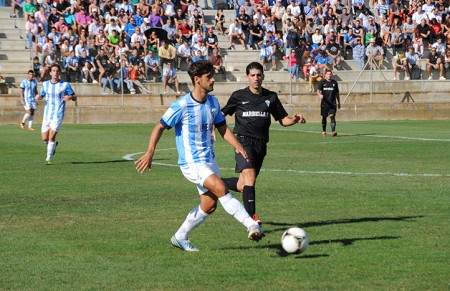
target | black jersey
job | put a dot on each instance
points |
(330, 91)
(253, 112)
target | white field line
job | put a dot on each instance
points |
(369, 135)
(129, 157)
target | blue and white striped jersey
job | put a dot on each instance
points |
(54, 96)
(193, 122)
(29, 90)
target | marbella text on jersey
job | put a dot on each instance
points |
(255, 114)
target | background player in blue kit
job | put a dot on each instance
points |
(56, 93)
(253, 108)
(28, 96)
(194, 116)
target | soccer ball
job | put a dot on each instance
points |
(294, 240)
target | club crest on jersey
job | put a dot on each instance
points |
(267, 103)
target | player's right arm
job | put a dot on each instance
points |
(145, 162)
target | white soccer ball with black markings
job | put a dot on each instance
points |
(294, 240)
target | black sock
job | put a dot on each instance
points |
(231, 183)
(333, 123)
(248, 197)
(324, 123)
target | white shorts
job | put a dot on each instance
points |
(29, 105)
(54, 125)
(198, 173)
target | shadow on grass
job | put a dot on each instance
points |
(283, 226)
(108, 162)
(343, 241)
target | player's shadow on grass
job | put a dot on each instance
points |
(283, 226)
(109, 162)
(344, 241)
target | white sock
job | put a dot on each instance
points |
(237, 210)
(30, 121)
(194, 219)
(25, 117)
(50, 149)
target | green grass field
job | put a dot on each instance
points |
(374, 201)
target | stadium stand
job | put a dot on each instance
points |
(125, 40)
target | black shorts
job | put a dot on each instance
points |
(326, 109)
(256, 150)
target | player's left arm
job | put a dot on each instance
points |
(291, 120)
(70, 94)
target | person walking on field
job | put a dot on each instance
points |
(253, 107)
(56, 93)
(194, 116)
(328, 91)
(28, 92)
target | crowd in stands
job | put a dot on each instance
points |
(107, 41)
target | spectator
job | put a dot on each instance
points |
(418, 42)
(398, 41)
(334, 53)
(135, 58)
(217, 62)
(267, 54)
(41, 18)
(439, 46)
(170, 29)
(155, 19)
(220, 20)
(434, 62)
(32, 30)
(61, 26)
(424, 30)
(49, 61)
(375, 53)
(29, 9)
(138, 37)
(235, 33)
(349, 41)
(412, 64)
(418, 16)
(385, 33)
(435, 29)
(169, 10)
(152, 68)
(314, 76)
(167, 53)
(37, 68)
(255, 34)
(170, 77)
(399, 63)
(102, 62)
(83, 20)
(197, 21)
(88, 68)
(359, 54)
(185, 29)
(292, 65)
(129, 29)
(200, 46)
(72, 67)
(211, 41)
(136, 74)
(16, 5)
(113, 26)
(244, 21)
(121, 49)
(114, 38)
(47, 49)
(198, 56)
(322, 60)
(184, 54)
(408, 29)
(138, 17)
(307, 62)
(108, 78)
(358, 6)
(80, 47)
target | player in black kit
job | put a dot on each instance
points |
(253, 107)
(328, 91)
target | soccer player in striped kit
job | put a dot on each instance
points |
(194, 117)
(28, 96)
(56, 93)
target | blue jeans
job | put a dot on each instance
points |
(294, 71)
(30, 37)
(105, 82)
